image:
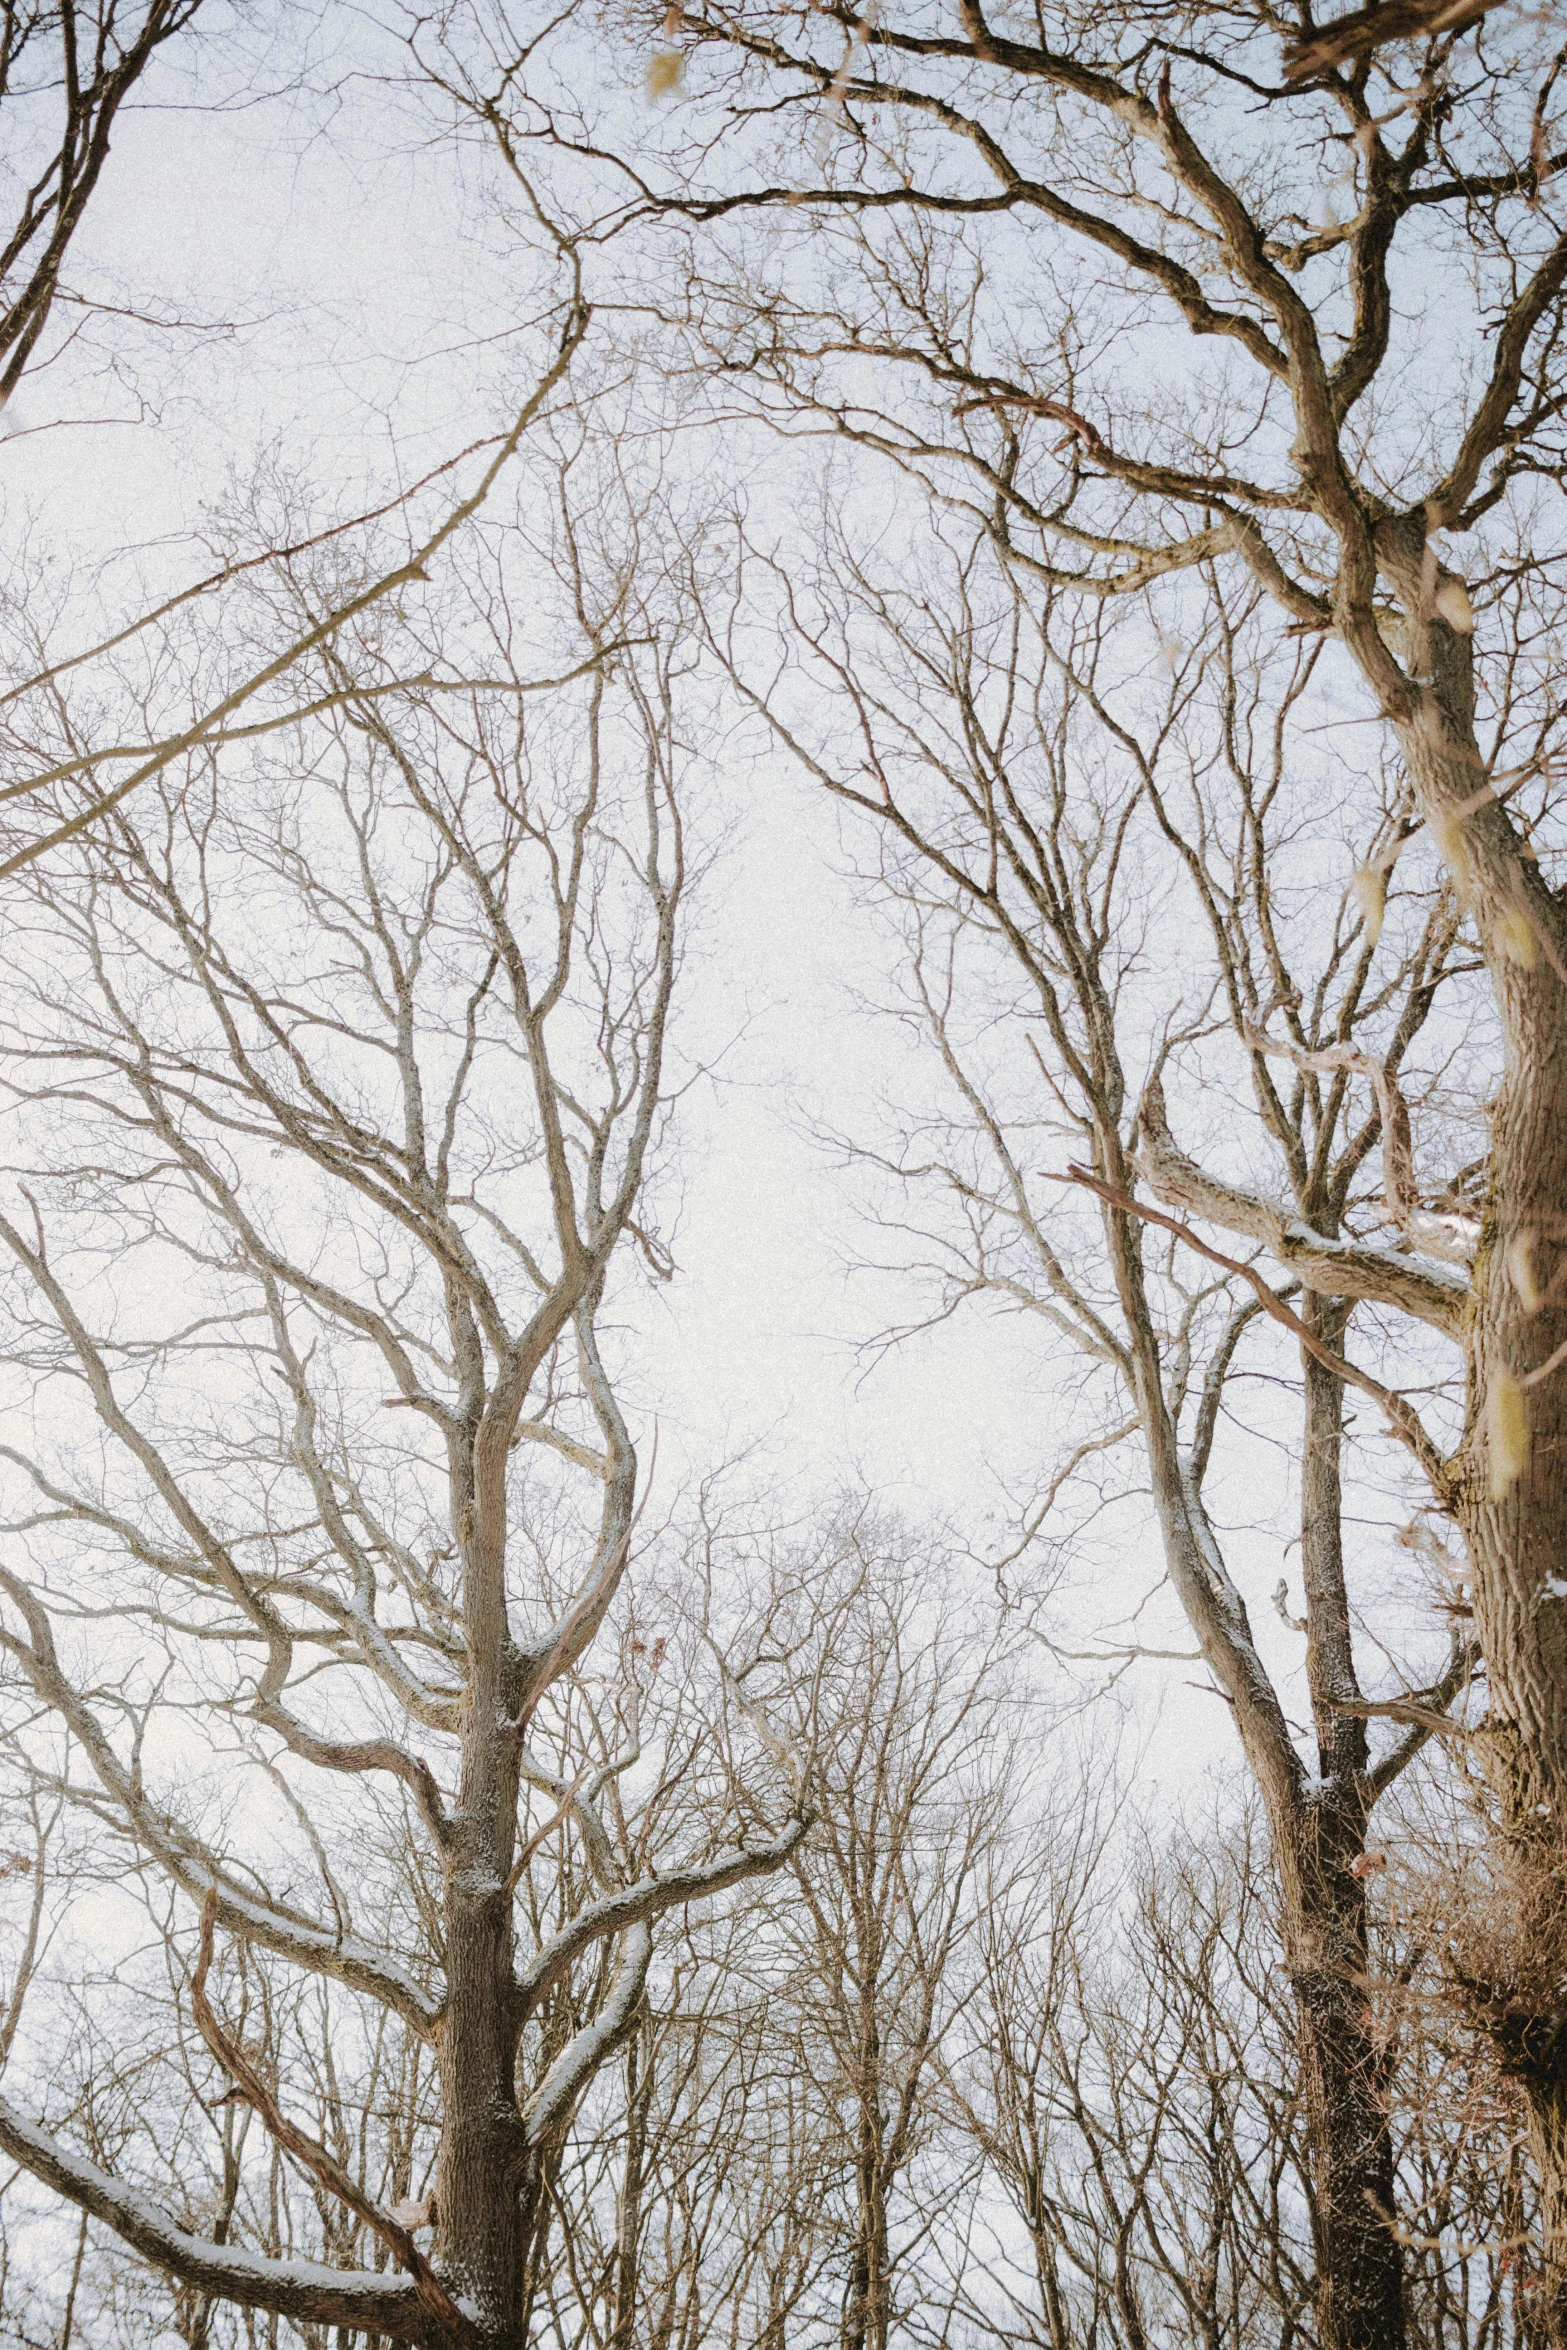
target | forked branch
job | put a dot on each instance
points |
(1400, 1414)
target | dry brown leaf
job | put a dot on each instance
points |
(1371, 897)
(1506, 1433)
(1520, 1271)
(1515, 937)
(1452, 601)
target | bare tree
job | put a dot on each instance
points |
(342, 1078)
(916, 1761)
(1128, 298)
(1060, 820)
(782, 2167)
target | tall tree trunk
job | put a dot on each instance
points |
(481, 2239)
(1510, 1483)
(865, 2309)
(1319, 1835)
(480, 2235)
(1360, 2302)
(1341, 2064)
(1317, 1831)
(1510, 1494)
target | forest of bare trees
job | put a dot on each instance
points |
(605, 605)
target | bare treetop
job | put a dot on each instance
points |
(342, 1077)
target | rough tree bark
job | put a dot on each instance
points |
(1326, 1942)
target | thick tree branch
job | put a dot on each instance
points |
(639, 1904)
(1401, 1416)
(437, 2303)
(303, 2290)
(1434, 1293)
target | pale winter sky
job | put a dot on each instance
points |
(371, 297)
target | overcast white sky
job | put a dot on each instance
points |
(371, 296)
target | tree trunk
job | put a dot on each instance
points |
(865, 2313)
(1360, 2303)
(1317, 1833)
(477, 2204)
(1546, 2303)
(626, 2287)
(480, 2240)
(1511, 1495)
(865, 2321)
(1359, 2261)
(1510, 1490)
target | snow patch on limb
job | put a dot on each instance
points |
(300, 2289)
(1433, 1292)
(586, 2050)
(637, 1904)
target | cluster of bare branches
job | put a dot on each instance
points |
(1123, 315)
(994, 2057)
(1157, 578)
(364, 1051)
